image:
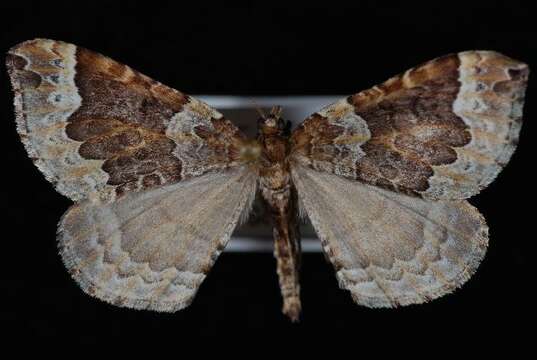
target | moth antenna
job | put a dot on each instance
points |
(258, 109)
(276, 111)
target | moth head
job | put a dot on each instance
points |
(273, 123)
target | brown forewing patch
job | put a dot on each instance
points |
(412, 126)
(315, 138)
(224, 141)
(315, 130)
(26, 79)
(122, 120)
(115, 91)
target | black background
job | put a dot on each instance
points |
(330, 48)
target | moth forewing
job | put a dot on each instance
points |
(442, 130)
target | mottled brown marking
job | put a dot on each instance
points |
(123, 119)
(110, 144)
(15, 62)
(319, 140)
(126, 187)
(513, 88)
(519, 74)
(133, 99)
(315, 131)
(26, 79)
(151, 180)
(223, 140)
(87, 128)
(412, 126)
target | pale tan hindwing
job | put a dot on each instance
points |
(151, 250)
(391, 249)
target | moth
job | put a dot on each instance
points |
(159, 179)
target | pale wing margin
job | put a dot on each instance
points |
(46, 95)
(151, 250)
(391, 249)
